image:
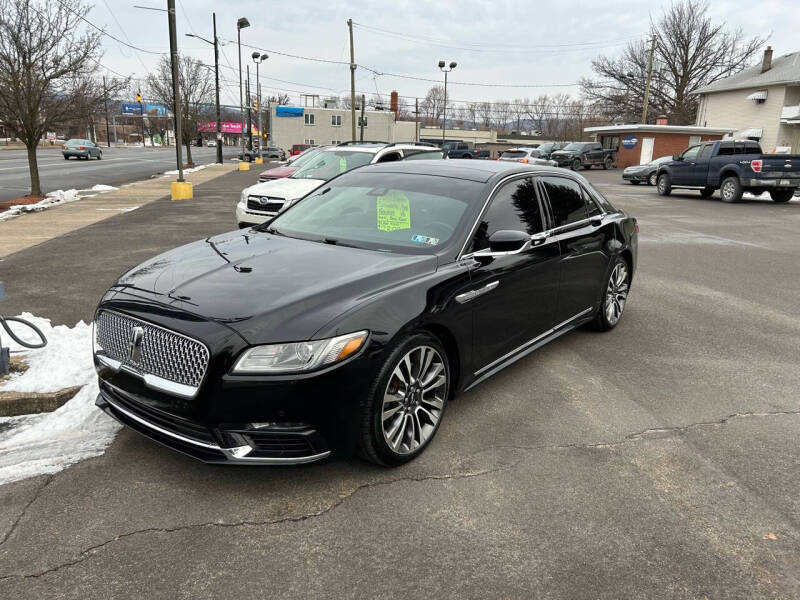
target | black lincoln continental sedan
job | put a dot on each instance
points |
(348, 322)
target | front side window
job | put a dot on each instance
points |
(309, 118)
(566, 200)
(394, 212)
(691, 153)
(514, 207)
(336, 120)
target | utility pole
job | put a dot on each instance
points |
(249, 112)
(649, 77)
(173, 50)
(416, 119)
(362, 117)
(216, 77)
(105, 99)
(352, 82)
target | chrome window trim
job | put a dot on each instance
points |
(531, 342)
(154, 381)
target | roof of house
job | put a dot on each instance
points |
(785, 70)
(686, 129)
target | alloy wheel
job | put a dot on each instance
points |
(414, 399)
(728, 191)
(652, 179)
(616, 293)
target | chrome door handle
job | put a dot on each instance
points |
(472, 294)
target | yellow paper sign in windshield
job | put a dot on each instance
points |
(342, 165)
(393, 212)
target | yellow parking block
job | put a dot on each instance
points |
(259, 160)
(244, 165)
(181, 190)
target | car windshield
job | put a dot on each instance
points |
(305, 157)
(574, 146)
(392, 212)
(328, 164)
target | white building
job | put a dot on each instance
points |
(762, 103)
(319, 126)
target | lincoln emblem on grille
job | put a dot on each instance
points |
(135, 345)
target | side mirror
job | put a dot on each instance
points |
(676, 157)
(507, 240)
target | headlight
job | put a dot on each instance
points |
(243, 198)
(95, 342)
(296, 357)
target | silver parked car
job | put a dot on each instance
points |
(81, 149)
(530, 156)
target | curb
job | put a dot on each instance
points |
(13, 404)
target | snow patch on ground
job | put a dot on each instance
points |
(192, 170)
(53, 199)
(33, 445)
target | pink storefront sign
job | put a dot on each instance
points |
(227, 127)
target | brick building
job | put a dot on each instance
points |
(638, 144)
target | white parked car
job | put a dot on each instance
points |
(530, 156)
(262, 201)
(212, 143)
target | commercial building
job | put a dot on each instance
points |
(639, 143)
(761, 103)
(318, 126)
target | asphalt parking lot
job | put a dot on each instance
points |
(659, 460)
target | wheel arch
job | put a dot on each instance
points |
(448, 340)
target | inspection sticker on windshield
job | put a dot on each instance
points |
(424, 239)
(342, 164)
(393, 212)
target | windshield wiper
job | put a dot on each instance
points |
(335, 242)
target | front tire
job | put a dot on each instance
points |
(664, 185)
(731, 190)
(404, 407)
(781, 195)
(615, 296)
(576, 164)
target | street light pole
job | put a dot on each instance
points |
(258, 59)
(445, 70)
(241, 24)
(215, 43)
(249, 100)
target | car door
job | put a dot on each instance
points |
(514, 296)
(683, 170)
(595, 154)
(698, 172)
(583, 234)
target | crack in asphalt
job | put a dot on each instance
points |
(90, 552)
(24, 510)
(632, 437)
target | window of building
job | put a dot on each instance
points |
(566, 200)
(309, 141)
(362, 120)
(308, 118)
(336, 120)
(694, 139)
(611, 142)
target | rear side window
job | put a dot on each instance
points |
(566, 200)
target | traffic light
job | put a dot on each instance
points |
(139, 97)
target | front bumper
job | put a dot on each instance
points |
(244, 216)
(563, 161)
(269, 444)
(635, 176)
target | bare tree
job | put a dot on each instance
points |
(485, 112)
(502, 114)
(196, 86)
(538, 110)
(519, 110)
(691, 51)
(47, 64)
(432, 106)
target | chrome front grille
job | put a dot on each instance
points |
(265, 203)
(162, 353)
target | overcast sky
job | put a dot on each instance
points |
(515, 42)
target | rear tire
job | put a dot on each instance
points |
(403, 409)
(576, 164)
(652, 180)
(608, 163)
(731, 190)
(781, 195)
(615, 296)
(707, 192)
(664, 185)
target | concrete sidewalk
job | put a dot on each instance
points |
(32, 229)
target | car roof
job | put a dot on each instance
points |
(480, 171)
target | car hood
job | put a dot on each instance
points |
(270, 288)
(278, 172)
(286, 188)
(564, 153)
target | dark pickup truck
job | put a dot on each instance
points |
(462, 150)
(732, 167)
(584, 154)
